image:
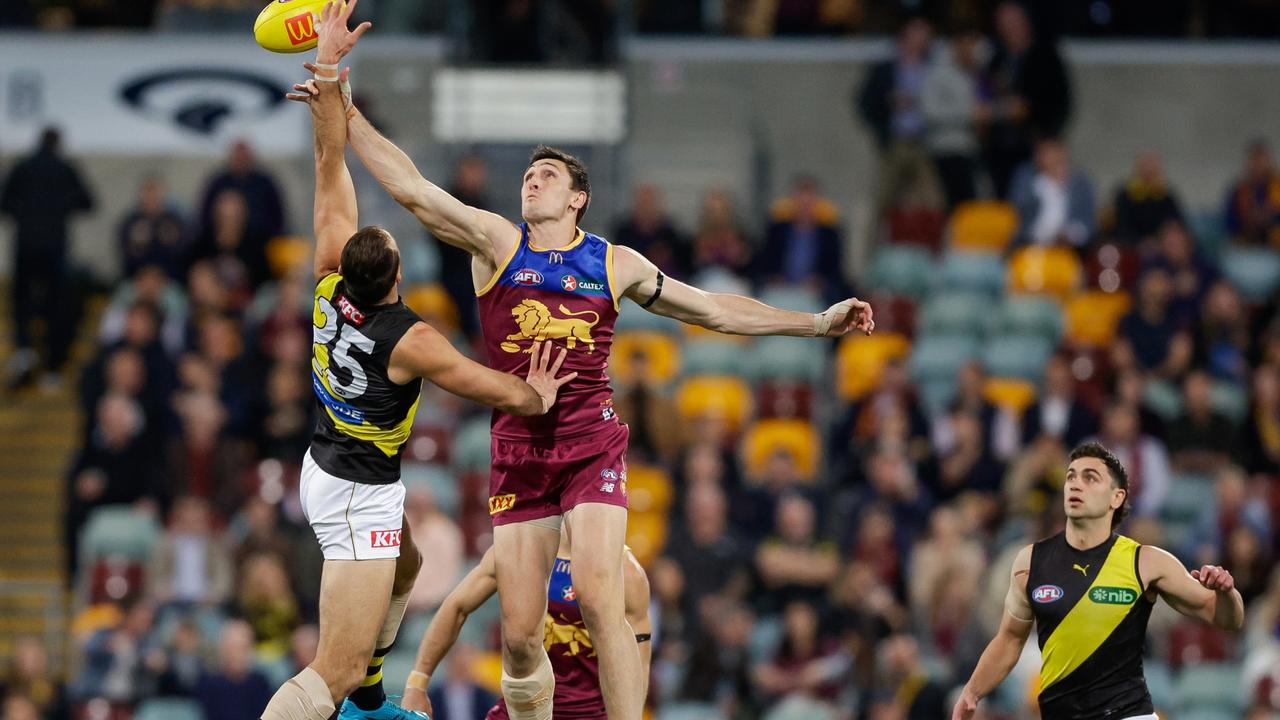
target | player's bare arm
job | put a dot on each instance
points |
(334, 213)
(423, 352)
(638, 280)
(1005, 648)
(635, 589)
(477, 587)
(1207, 594)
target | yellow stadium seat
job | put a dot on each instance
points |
(720, 396)
(486, 671)
(797, 437)
(825, 212)
(648, 489)
(1050, 271)
(647, 535)
(1010, 394)
(433, 304)
(286, 252)
(861, 358)
(983, 226)
(1094, 316)
(660, 351)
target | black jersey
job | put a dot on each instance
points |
(1091, 613)
(364, 418)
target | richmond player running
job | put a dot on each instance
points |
(1090, 592)
(546, 279)
(566, 639)
(370, 354)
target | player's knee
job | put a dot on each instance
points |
(524, 650)
(342, 677)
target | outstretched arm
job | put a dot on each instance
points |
(478, 586)
(423, 352)
(1005, 648)
(1207, 594)
(637, 280)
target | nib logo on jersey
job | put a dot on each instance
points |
(573, 284)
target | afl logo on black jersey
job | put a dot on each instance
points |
(1047, 593)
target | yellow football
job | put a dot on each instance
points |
(288, 26)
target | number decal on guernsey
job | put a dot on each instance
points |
(340, 353)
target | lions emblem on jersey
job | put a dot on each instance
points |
(535, 321)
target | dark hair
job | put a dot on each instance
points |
(1119, 477)
(51, 139)
(369, 265)
(578, 179)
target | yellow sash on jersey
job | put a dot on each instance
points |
(1097, 614)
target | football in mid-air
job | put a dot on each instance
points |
(288, 26)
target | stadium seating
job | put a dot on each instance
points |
(793, 297)
(647, 535)
(649, 489)
(1162, 398)
(433, 304)
(1213, 687)
(170, 708)
(1255, 272)
(1029, 315)
(1230, 400)
(435, 479)
(660, 351)
(690, 711)
(1017, 356)
(1013, 395)
(632, 318)
(719, 396)
(955, 313)
(713, 357)
(118, 530)
(902, 270)
(1093, 317)
(971, 272)
(861, 358)
(796, 437)
(787, 358)
(286, 252)
(1052, 271)
(1160, 684)
(983, 226)
(471, 445)
(940, 357)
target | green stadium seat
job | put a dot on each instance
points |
(436, 479)
(1210, 687)
(972, 272)
(118, 530)
(1254, 271)
(801, 707)
(787, 358)
(1160, 684)
(955, 313)
(713, 357)
(1209, 713)
(902, 270)
(169, 709)
(690, 711)
(1189, 496)
(633, 318)
(793, 297)
(937, 394)
(471, 445)
(1230, 400)
(1030, 314)
(765, 637)
(936, 357)
(1017, 356)
(1162, 398)
(1210, 232)
(399, 663)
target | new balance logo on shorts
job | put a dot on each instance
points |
(610, 480)
(385, 538)
(498, 503)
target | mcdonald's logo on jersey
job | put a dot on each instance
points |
(301, 28)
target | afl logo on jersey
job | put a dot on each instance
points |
(527, 277)
(1047, 593)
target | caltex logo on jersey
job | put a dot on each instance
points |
(568, 594)
(1047, 593)
(569, 283)
(527, 276)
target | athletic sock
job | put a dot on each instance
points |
(371, 695)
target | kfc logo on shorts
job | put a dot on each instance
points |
(385, 538)
(349, 311)
(498, 503)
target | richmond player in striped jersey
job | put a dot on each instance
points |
(1090, 591)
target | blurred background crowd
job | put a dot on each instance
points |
(827, 527)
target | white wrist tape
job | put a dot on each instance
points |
(331, 73)
(823, 321)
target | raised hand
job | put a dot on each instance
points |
(335, 40)
(1214, 578)
(844, 316)
(543, 378)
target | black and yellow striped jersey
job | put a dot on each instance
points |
(364, 417)
(1091, 612)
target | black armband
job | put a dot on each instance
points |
(643, 637)
(656, 293)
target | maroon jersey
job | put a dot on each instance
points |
(565, 296)
(573, 659)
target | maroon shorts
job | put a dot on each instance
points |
(531, 480)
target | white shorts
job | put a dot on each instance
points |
(352, 521)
